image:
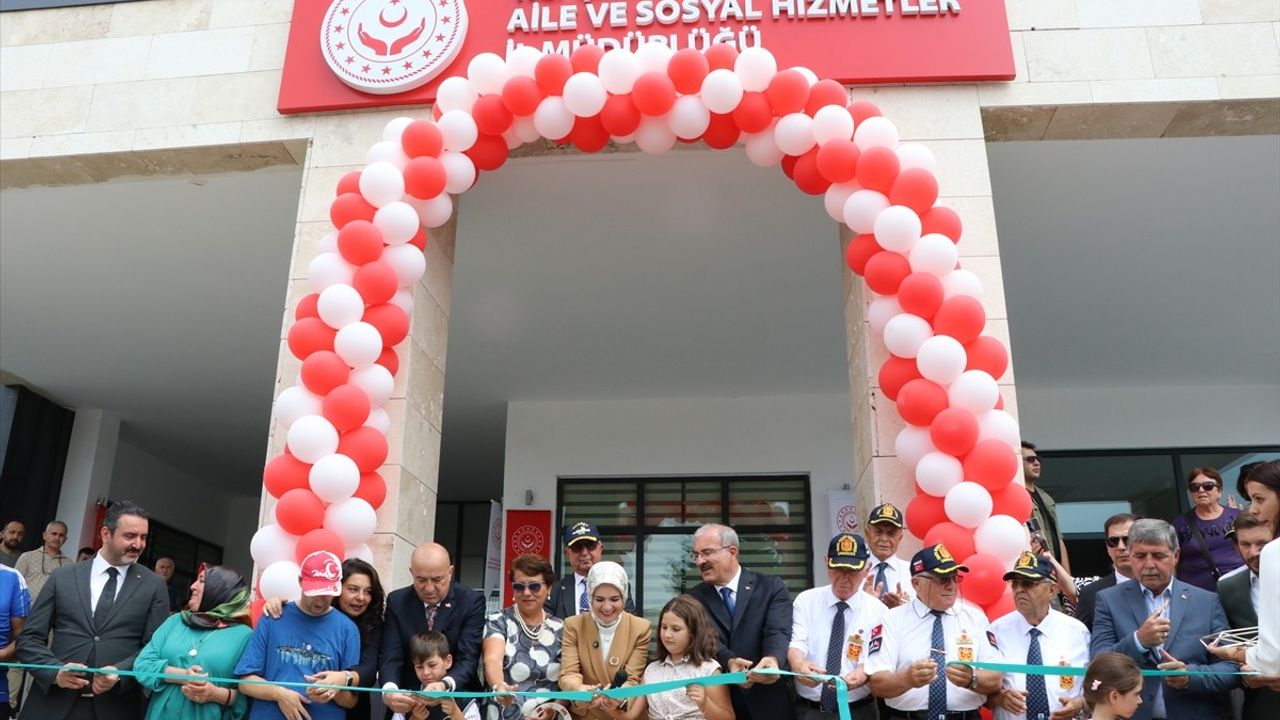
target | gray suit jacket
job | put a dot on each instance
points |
(63, 607)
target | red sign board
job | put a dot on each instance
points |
(527, 531)
(852, 41)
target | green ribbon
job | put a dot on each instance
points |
(1079, 671)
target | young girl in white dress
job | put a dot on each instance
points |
(1112, 687)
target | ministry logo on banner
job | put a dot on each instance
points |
(386, 47)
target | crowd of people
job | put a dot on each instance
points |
(896, 631)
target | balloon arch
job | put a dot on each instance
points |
(960, 445)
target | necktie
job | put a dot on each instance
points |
(882, 583)
(431, 616)
(727, 594)
(106, 600)
(938, 688)
(583, 604)
(1037, 696)
(835, 647)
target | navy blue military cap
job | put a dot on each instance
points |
(1031, 567)
(937, 560)
(848, 551)
(885, 513)
(581, 531)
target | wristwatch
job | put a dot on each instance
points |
(350, 678)
(973, 681)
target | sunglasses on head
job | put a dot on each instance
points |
(533, 587)
(1115, 540)
(1203, 487)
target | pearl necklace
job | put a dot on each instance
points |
(533, 633)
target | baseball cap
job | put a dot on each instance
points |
(1031, 567)
(581, 531)
(321, 574)
(936, 560)
(847, 550)
(885, 513)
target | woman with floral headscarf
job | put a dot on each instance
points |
(205, 640)
(607, 647)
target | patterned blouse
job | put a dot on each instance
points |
(529, 664)
(675, 704)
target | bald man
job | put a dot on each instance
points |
(433, 602)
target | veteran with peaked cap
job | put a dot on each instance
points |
(583, 547)
(907, 655)
(888, 576)
(830, 628)
(1036, 634)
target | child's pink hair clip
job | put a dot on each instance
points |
(1095, 684)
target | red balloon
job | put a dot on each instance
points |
(420, 240)
(360, 242)
(992, 464)
(788, 165)
(588, 134)
(985, 582)
(255, 609)
(954, 431)
(787, 93)
(323, 371)
(424, 177)
(654, 94)
(521, 95)
(921, 294)
(721, 56)
(307, 307)
(349, 183)
(317, 540)
(895, 373)
(376, 282)
(807, 176)
(922, 513)
(488, 153)
(916, 188)
(620, 116)
(961, 317)
(722, 133)
(943, 221)
(753, 113)
(491, 115)
(688, 68)
(389, 360)
(1013, 500)
(861, 110)
(1001, 607)
(824, 93)
(421, 138)
(877, 169)
(390, 321)
(308, 336)
(861, 249)
(299, 511)
(987, 354)
(999, 402)
(284, 473)
(346, 407)
(436, 113)
(885, 272)
(956, 538)
(366, 446)
(350, 207)
(586, 58)
(551, 72)
(838, 160)
(920, 401)
(372, 489)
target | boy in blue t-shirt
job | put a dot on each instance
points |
(310, 643)
(15, 605)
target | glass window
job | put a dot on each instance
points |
(681, 504)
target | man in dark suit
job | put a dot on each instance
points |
(584, 548)
(433, 602)
(752, 617)
(1116, 530)
(101, 613)
(1158, 621)
(1239, 592)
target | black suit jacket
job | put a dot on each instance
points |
(563, 599)
(760, 626)
(64, 608)
(1088, 599)
(460, 618)
(1233, 590)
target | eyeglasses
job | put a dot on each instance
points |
(705, 554)
(1032, 459)
(533, 587)
(1113, 541)
(1203, 487)
(946, 579)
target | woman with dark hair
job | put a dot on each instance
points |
(1203, 532)
(1262, 490)
(522, 645)
(205, 640)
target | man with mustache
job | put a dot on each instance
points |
(1116, 529)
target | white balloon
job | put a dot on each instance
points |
(689, 118)
(941, 359)
(653, 57)
(525, 129)
(280, 579)
(794, 133)
(511, 138)
(312, 437)
(271, 545)
(379, 420)
(328, 242)
(810, 76)
(835, 198)
(398, 222)
(624, 139)
(721, 91)
(408, 262)
(832, 122)
(938, 472)
(358, 344)
(553, 119)
(395, 128)
(968, 504)
(353, 519)
(334, 477)
(654, 136)
(295, 402)
(456, 93)
(403, 299)
(459, 172)
(340, 305)
(1002, 537)
(876, 132)
(762, 151)
(487, 73)
(897, 228)
(862, 208)
(934, 254)
(584, 94)
(756, 66)
(911, 445)
(328, 269)
(961, 282)
(998, 425)
(905, 333)
(975, 391)
(387, 151)
(381, 183)
(619, 70)
(435, 212)
(458, 130)
(881, 310)
(376, 382)
(915, 155)
(360, 552)
(523, 61)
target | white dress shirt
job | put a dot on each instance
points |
(98, 579)
(814, 613)
(897, 572)
(1265, 656)
(906, 636)
(733, 587)
(1065, 641)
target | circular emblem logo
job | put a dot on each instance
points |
(391, 46)
(847, 519)
(527, 539)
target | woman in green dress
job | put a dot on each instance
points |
(205, 640)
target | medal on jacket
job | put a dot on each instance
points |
(964, 646)
(1066, 682)
(854, 650)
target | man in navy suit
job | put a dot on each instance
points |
(752, 617)
(584, 547)
(433, 602)
(1158, 621)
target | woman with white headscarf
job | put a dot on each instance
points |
(607, 647)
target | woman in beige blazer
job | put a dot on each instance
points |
(606, 646)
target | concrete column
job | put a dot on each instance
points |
(86, 479)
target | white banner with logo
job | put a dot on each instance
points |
(842, 512)
(493, 554)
